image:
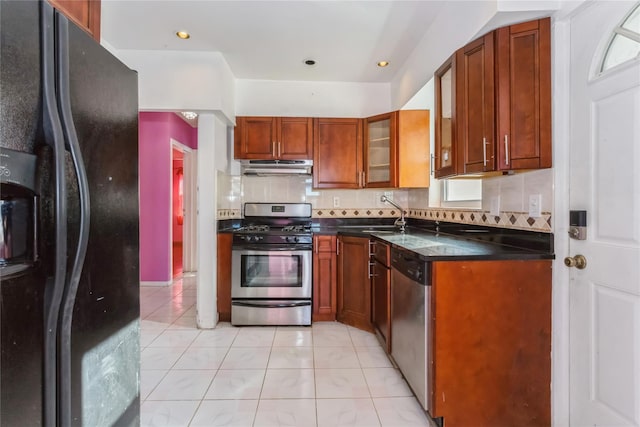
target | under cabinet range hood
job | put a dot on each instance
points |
(276, 167)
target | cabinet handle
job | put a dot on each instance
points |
(364, 179)
(371, 264)
(273, 148)
(337, 247)
(371, 246)
(506, 149)
(484, 151)
(279, 151)
(316, 244)
(432, 164)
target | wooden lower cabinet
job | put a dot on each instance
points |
(381, 293)
(380, 306)
(325, 276)
(223, 283)
(354, 286)
(491, 343)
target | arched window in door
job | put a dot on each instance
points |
(624, 44)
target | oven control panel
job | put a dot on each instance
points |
(306, 239)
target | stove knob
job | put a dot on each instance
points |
(295, 239)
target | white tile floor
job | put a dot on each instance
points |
(326, 375)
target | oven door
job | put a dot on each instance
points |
(273, 272)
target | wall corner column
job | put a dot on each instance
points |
(207, 315)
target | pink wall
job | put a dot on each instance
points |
(155, 133)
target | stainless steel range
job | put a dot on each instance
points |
(271, 265)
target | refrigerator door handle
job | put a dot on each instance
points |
(55, 285)
(72, 144)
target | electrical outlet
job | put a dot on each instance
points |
(495, 206)
(535, 205)
(336, 201)
(389, 194)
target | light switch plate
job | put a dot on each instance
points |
(336, 201)
(535, 205)
(494, 209)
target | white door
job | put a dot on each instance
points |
(604, 181)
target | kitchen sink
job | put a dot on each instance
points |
(372, 228)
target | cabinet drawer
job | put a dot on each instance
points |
(381, 252)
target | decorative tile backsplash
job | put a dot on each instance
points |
(233, 191)
(517, 220)
(506, 219)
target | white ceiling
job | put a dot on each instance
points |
(271, 39)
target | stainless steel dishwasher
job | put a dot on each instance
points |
(410, 325)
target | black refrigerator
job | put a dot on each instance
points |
(69, 300)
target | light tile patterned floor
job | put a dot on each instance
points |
(326, 375)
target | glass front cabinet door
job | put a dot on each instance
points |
(379, 162)
(444, 159)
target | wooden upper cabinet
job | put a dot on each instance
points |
(396, 150)
(380, 150)
(475, 104)
(337, 153)
(502, 94)
(412, 140)
(444, 158)
(269, 138)
(523, 98)
(295, 141)
(85, 13)
(255, 138)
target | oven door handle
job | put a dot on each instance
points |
(271, 304)
(272, 248)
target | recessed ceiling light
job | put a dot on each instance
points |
(383, 63)
(310, 62)
(189, 115)
(183, 35)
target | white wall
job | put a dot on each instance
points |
(311, 99)
(438, 43)
(177, 80)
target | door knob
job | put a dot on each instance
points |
(578, 261)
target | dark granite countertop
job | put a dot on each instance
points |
(439, 241)
(432, 246)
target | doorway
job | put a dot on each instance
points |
(177, 212)
(182, 202)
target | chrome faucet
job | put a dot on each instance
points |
(400, 222)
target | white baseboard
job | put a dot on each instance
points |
(156, 284)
